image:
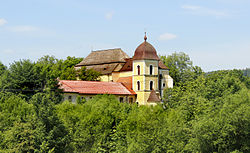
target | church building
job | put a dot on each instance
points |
(139, 79)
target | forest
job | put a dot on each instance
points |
(203, 112)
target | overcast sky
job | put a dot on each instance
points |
(214, 33)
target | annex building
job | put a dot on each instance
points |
(140, 79)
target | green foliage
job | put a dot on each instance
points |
(203, 113)
(88, 74)
(2, 68)
(22, 78)
(226, 129)
(52, 134)
(216, 108)
(30, 127)
(92, 123)
(16, 133)
(28, 78)
(80, 100)
(181, 67)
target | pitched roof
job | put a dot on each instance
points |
(163, 66)
(94, 87)
(153, 97)
(127, 82)
(128, 66)
(103, 68)
(145, 51)
(104, 57)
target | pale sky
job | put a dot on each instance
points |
(214, 33)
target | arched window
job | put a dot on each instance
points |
(151, 69)
(151, 85)
(138, 69)
(138, 85)
(164, 85)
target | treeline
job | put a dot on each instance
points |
(27, 78)
(202, 113)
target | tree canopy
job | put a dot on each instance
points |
(204, 112)
(28, 78)
(181, 67)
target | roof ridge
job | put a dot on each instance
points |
(88, 81)
(106, 49)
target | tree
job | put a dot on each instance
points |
(52, 134)
(16, 130)
(214, 107)
(225, 129)
(181, 68)
(2, 68)
(88, 74)
(22, 78)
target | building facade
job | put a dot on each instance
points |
(144, 76)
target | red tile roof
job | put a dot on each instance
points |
(94, 87)
(127, 82)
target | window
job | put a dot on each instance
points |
(131, 100)
(163, 85)
(138, 85)
(151, 85)
(70, 98)
(138, 69)
(121, 99)
(151, 69)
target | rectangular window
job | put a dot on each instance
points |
(121, 99)
(70, 98)
(130, 100)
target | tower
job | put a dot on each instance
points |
(146, 73)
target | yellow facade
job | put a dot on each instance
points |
(115, 76)
(144, 78)
(106, 78)
(149, 78)
(154, 63)
(125, 74)
(137, 63)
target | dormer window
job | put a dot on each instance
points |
(151, 69)
(139, 70)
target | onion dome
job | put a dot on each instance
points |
(145, 51)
